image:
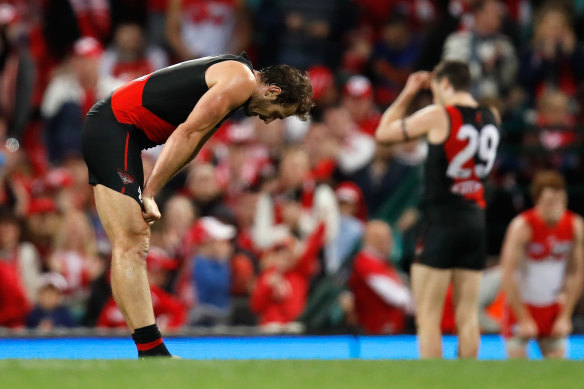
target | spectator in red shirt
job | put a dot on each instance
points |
(281, 291)
(381, 298)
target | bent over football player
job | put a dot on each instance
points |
(180, 106)
(462, 137)
(543, 261)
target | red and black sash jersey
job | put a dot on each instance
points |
(456, 169)
(159, 102)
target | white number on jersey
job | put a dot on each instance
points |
(481, 143)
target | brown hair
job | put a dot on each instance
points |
(295, 85)
(546, 179)
(456, 72)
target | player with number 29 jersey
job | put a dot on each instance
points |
(455, 170)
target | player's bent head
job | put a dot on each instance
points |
(450, 77)
(548, 191)
(295, 88)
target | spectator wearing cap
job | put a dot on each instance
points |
(42, 223)
(169, 312)
(353, 215)
(490, 54)
(49, 311)
(70, 95)
(359, 103)
(381, 299)
(211, 272)
(281, 291)
(129, 56)
(323, 86)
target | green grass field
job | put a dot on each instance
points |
(167, 374)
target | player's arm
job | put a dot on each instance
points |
(393, 126)
(516, 238)
(230, 88)
(573, 281)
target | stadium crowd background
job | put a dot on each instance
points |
(280, 225)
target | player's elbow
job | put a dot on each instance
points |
(384, 134)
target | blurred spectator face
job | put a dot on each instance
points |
(179, 214)
(281, 256)
(358, 99)
(319, 144)
(49, 297)
(378, 236)
(323, 86)
(552, 203)
(87, 53)
(245, 208)
(76, 233)
(202, 183)
(9, 234)
(396, 33)
(216, 238)
(553, 25)
(554, 109)
(43, 220)
(129, 39)
(294, 169)
(488, 17)
(340, 122)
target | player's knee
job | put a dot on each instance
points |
(134, 244)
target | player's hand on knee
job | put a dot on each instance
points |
(151, 212)
(527, 328)
(562, 327)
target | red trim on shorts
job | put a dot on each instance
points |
(149, 345)
(126, 152)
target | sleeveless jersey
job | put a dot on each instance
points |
(159, 102)
(456, 169)
(541, 273)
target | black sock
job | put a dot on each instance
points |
(149, 342)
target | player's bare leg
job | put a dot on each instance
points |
(429, 286)
(129, 235)
(465, 296)
(552, 348)
(517, 348)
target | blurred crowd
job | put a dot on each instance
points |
(291, 225)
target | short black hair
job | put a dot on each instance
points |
(295, 85)
(456, 72)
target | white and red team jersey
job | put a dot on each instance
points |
(540, 275)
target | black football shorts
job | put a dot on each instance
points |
(113, 150)
(452, 239)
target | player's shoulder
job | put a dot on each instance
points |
(521, 224)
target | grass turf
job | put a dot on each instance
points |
(289, 374)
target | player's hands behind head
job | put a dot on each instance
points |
(151, 212)
(418, 80)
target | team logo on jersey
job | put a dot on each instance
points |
(466, 187)
(140, 194)
(126, 178)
